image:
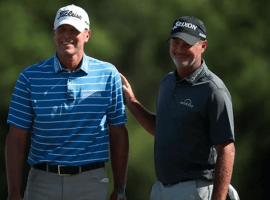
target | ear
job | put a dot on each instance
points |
(87, 35)
(204, 45)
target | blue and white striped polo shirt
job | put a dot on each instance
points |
(68, 113)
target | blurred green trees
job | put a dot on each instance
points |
(131, 34)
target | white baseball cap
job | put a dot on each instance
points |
(74, 16)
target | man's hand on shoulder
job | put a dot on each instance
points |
(143, 116)
(129, 96)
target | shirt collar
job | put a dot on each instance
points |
(84, 66)
(56, 64)
(194, 76)
(58, 67)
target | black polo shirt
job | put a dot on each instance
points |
(193, 115)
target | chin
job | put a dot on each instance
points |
(184, 64)
(68, 52)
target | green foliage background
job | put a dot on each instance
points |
(131, 34)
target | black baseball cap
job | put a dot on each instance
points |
(188, 28)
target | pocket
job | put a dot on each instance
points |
(33, 174)
(204, 189)
(99, 175)
(153, 195)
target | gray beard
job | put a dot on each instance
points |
(183, 64)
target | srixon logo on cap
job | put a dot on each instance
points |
(69, 13)
(184, 24)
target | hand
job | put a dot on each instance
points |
(14, 197)
(114, 196)
(128, 93)
(121, 193)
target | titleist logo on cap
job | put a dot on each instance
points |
(74, 16)
(69, 13)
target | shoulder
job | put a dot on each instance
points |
(168, 78)
(45, 65)
(215, 84)
(99, 65)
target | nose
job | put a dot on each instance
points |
(67, 33)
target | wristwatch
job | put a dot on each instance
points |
(121, 192)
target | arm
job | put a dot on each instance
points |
(15, 155)
(143, 116)
(119, 148)
(223, 170)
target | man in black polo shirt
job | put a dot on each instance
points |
(193, 126)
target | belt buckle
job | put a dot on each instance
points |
(59, 171)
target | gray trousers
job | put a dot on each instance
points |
(189, 190)
(90, 185)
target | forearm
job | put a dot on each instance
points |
(15, 155)
(119, 148)
(143, 116)
(223, 174)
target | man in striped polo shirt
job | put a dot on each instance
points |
(72, 105)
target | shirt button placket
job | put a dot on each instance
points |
(70, 89)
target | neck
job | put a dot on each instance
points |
(70, 62)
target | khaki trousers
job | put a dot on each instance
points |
(90, 185)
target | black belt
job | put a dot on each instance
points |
(65, 170)
(171, 184)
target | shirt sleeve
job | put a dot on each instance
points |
(116, 112)
(20, 111)
(220, 112)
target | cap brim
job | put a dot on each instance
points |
(73, 23)
(191, 40)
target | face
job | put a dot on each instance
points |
(185, 55)
(69, 41)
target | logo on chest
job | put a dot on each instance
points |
(187, 102)
(91, 94)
